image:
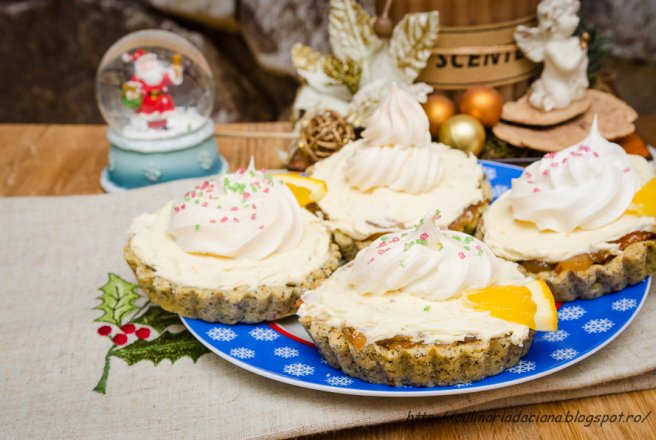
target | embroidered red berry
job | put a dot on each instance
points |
(143, 333)
(128, 329)
(120, 339)
(104, 330)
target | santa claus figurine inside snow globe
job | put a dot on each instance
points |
(156, 91)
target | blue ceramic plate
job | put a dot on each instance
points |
(283, 351)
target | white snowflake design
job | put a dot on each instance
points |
(462, 385)
(598, 325)
(564, 354)
(490, 173)
(242, 353)
(497, 190)
(298, 369)
(624, 304)
(285, 352)
(557, 336)
(111, 164)
(152, 172)
(339, 381)
(221, 334)
(570, 313)
(522, 367)
(263, 334)
(205, 160)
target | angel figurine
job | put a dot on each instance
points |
(564, 78)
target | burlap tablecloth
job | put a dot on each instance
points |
(55, 253)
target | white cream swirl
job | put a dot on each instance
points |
(587, 186)
(427, 262)
(396, 152)
(244, 215)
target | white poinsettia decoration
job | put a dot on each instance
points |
(357, 75)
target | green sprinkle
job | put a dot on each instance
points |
(467, 248)
(384, 238)
(402, 263)
(251, 173)
(197, 228)
(468, 240)
(196, 201)
(187, 199)
(426, 308)
(456, 238)
(408, 245)
(420, 242)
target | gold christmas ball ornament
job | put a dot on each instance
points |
(438, 108)
(483, 103)
(464, 133)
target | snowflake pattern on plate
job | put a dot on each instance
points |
(490, 172)
(264, 334)
(274, 348)
(570, 313)
(624, 304)
(339, 381)
(598, 325)
(221, 334)
(522, 367)
(462, 385)
(564, 354)
(497, 190)
(152, 172)
(298, 369)
(242, 353)
(556, 336)
(205, 160)
(285, 352)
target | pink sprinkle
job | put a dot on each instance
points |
(183, 206)
(381, 244)
(253, 206)
(176, 209)
(531, 182)
(224, 219)
(545, 172)
(564, 160)
(527, 174)
(584, 148)
(187, 194)
(264, 170)
(213, 221)
(235, 219)
(382, 251)
(253, 216)
(193, 194)
(550, 155)
(477, 247)
(423, 236)
(234, 208)
(266, 190)
(247, 195)
(595, 154)
(554, 164)
(461, 255)
(536, 190)
(626, 170)
(204, 204)
(395, 239)
(261, 227)
(240, 171)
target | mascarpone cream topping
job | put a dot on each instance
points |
(395, 288)
(397, 151)
(587, 186)
(245, 215)
(158, 249)
(361, 214)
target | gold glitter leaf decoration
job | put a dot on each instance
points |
(347, 72)
(305, 58)
(351, 31)
(412, 40)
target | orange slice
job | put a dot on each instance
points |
(644, 201)
(306, 189)
(531, 305)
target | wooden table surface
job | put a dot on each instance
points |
(67, 159)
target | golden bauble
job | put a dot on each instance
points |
(464, 133)
(438, 108)
(483, 103)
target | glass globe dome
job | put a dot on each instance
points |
(154, 85)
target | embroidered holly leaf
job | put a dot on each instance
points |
(117, 300)
(412, 40)
(157, 318)
(351, 31)
(171, 346)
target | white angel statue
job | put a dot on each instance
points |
(564, 78)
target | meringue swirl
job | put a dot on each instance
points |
(588, 185)
(428, 262)
(244, 215)
(396, 152)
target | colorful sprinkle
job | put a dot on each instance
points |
(224, 219)
(536, 190)
(461, 255)
(213, 221)
(197, 228)
(426, 308)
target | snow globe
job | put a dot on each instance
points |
(155, 91)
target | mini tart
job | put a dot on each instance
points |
(241, 304)
(398, 362)
(461, 207)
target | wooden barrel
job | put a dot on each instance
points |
(475, 44)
